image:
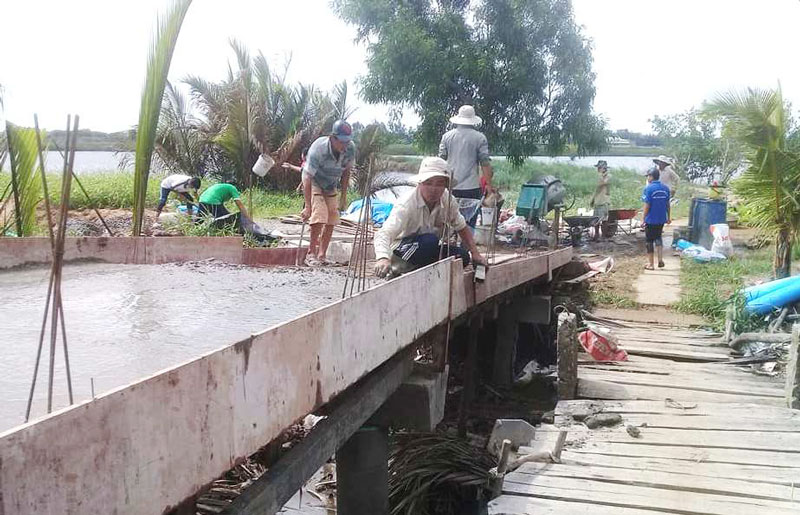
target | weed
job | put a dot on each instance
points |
(709, 288)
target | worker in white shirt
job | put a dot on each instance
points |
(411, 236)
(182, 186)
(669, 177)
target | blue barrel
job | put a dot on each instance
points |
(705, 213)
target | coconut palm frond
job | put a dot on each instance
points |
(159, 60)
(757, 120)
(430, 473)
(23, 153)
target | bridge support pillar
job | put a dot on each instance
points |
(362, 473)
(533, 309)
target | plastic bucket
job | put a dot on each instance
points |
(487, 216)
(263, 165)
(483, 235)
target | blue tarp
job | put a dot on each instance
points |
(380, 210)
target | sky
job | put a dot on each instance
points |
(650, 56)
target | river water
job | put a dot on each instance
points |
(125, 322)
(94, 162)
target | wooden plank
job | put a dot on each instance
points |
(686, 355)
(701, 374)
(690, 454)
(640, 497)
(750, 473)
(590, 389)
(684, 382)
(519, 505)
(731, 423)
(662, 480)
(661, 408)
(706, 439)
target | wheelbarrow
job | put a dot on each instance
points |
(579, 224)
(610, 226)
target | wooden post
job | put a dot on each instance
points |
(556, 228)
(793, 370)
(567, 343)
(505, 345)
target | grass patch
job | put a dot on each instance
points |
(114, 190)
(709, 288)
(611, 299)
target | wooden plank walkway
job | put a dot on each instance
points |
(697, 436)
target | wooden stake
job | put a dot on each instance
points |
(468, 392)
(44, 181)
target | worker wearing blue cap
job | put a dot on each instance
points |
(326, 174)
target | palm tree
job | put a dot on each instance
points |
(161, 51)
(756, 119)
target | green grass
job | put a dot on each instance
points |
(709, 288)
(114, 190)
(612, 299)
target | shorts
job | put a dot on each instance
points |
(474, 193)
(324, 206)
(652, 236)
(601, 212)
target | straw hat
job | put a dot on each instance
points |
(466, 116)
(663, 159)
(431, 167)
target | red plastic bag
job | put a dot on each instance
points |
(602, 345)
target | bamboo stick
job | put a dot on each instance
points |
(44, 181)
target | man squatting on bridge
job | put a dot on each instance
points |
(410, 237)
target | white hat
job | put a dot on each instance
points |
(466, 116)
(431, 167)
(663, 159)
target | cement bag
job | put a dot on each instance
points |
(601, 344)
(722, 240)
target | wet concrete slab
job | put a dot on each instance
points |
(125, 322)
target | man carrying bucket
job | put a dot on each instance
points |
(410, 237)
(326, 174)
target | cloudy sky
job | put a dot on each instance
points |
(651, 56)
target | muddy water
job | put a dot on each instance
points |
(125, 322)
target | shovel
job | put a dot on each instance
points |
(300, 244)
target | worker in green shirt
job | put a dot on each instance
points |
(212, 201)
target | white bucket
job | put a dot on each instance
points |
(483, 235)
(263, 165)
(487, 215)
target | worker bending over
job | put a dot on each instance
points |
(183, 186)
(212, 201)
(410, 237)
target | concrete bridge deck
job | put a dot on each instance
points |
(149, 446)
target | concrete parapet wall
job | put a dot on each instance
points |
(140, 250)
(149, 446)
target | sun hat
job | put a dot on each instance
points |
(466, 116)
(601, 164)
(342, 130)
(663, 159)
(431, 167)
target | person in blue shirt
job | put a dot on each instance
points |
(656, 214)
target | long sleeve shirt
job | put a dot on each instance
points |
(411, 216)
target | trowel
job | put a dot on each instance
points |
(480, 273)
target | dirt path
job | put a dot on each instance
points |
(662, 286)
